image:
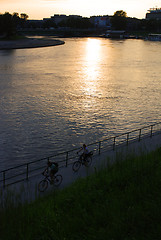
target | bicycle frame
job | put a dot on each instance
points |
(43, 184)
(83, 158)
(82, 161)
(47, 177)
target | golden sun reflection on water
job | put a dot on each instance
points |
(92, 58)
(57, 98)
(93, 50)
(91, 68)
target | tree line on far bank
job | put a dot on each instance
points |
(9, 23)
(120, 21)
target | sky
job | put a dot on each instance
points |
(39, 9)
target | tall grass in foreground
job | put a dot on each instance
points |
(122, 201)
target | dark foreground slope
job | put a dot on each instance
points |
(122, 201)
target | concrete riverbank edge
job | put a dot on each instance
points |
(29, 43)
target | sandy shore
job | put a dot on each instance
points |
(29, 43)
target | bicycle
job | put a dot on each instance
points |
(43, 184)
(85, 161)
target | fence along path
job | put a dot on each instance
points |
(27, 170)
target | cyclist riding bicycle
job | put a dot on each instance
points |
(52, 169)
(84, 154)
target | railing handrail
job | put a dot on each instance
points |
(75, 149)
(66, 153)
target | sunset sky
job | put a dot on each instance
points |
(39, 9)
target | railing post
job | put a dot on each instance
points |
(127, 139)
(151, 134)
(99, 148)
(27, 172)
(139, 135)
(67, 159)
(114, 142)
(4, 179)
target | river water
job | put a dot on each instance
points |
(54, 99)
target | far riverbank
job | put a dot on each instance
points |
(29, 43)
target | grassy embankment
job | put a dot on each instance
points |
(122, 201)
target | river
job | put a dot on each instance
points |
(56, 98)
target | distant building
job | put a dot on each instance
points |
(75, 16)
(35, 23)
(154, 13)
(101, 21)
(58, 18)
(133, 24)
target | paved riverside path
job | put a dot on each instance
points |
(27, 190)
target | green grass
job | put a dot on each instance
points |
(122, 201)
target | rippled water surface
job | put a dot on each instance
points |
(56, 98)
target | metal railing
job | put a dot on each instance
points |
(27, 170)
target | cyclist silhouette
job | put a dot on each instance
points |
(52, 169)
(85, 152)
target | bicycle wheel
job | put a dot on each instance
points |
(88, 161)
(42, 186)
(76, 166)
(58, 180)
